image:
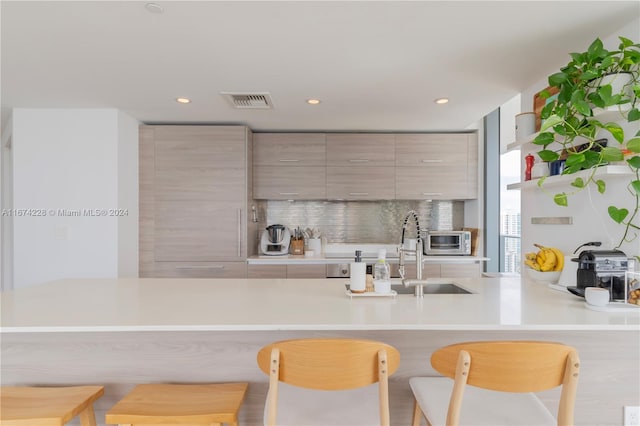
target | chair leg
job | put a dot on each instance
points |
(88, 417)
(417, 414)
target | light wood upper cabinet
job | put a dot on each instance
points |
(289, 166)
(360, 183)
(289, 149)
(436, 166)
(289, 183)
(360, 149)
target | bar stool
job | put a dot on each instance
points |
(48, 406)
(495, 382)
(192, 404)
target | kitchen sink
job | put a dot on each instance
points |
(435, 288)
(439, 288)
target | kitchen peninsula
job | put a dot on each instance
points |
(120, 332)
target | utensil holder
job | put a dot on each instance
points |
(297, 246)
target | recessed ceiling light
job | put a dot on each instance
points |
(183, 100)
(313, 101)
(154, 8)
(441, 101)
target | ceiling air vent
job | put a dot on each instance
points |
(260, 100)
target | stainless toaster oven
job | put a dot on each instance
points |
(447, 243)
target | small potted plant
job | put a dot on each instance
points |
(594, 82)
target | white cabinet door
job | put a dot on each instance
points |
(360, 149)
(360, 183)
(289, 149)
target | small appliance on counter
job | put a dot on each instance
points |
(275, 240)
(447, 243)
(604, 269)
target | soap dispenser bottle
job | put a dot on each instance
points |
(358, 270)
(381, 273)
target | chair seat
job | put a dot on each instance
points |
(179, 404)
(309, 407)
(480, 407)
(46, 406)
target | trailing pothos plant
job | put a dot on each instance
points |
(572, 131)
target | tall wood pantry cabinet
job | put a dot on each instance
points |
(195, 197)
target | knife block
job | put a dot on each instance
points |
(297, 246)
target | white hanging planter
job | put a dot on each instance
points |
(620, 83)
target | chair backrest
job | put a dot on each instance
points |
(328, 364)
(510, 366)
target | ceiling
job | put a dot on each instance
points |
(375, 65)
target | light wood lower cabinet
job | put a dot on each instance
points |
(460, 270)
(286, 271)
(306, 271)
(266, 271)
(201, 269)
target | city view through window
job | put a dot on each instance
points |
(510, 250)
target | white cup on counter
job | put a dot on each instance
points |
(382, 286)
(596, 296)
(315, 244)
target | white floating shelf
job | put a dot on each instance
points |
(559, 180)
(603, 116)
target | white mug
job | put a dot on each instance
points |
(596, 296)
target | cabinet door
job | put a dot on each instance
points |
(360, 183)
(289, 183)
(436, 166)
(306, 271)
(360, 149)
(266, 271)
(424, 150)
(193, 193)
(197, 231)
(460, 270)
(289, 149)
(431, 183)
(201, 269)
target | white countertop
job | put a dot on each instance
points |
(323, 260)
(89, 305)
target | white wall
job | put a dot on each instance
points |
(588, 209)
(128, 195)
(71, 160)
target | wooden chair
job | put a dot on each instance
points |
(48, 406)
(355, 371)
(179, 404)
(515, 368)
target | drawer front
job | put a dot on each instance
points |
(306, 271)
(460, 270)
(360, 150)
(199, 270)
(360, 183)
(289, 149)
(266, 271)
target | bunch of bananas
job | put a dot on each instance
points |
(547, 259)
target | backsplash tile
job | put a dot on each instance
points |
(361, 221)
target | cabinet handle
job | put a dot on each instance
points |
(239, 232)
(432, 161)
(432, 193)
(288, 193)
(359, 161)
(288, 161)
(187, 267)
(358, 193)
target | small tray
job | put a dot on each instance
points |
(614, 307)
(393, 293)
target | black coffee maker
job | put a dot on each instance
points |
(601, 268)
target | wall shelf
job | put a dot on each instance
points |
(603, 116)
(560, 180)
